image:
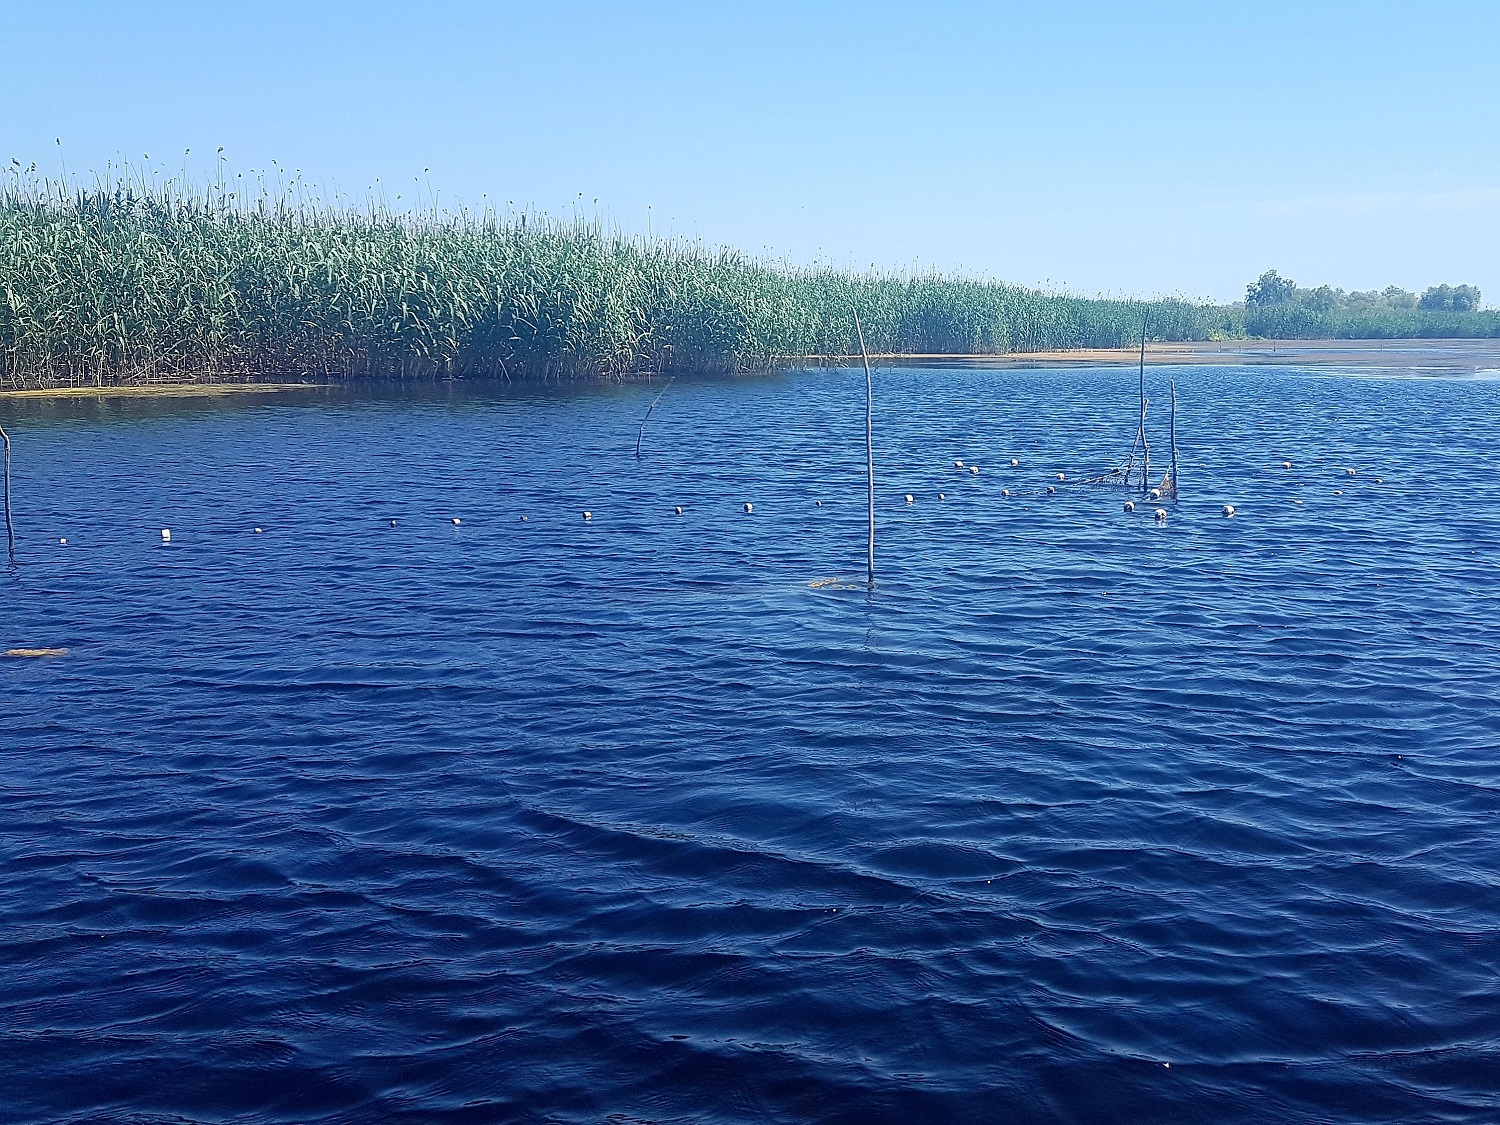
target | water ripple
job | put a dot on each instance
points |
(1074, 818)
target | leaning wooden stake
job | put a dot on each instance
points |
(642, 431)
(869, 439)
(10, 531)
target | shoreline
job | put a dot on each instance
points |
(1443, 354)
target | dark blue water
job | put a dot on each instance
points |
(1076, 818)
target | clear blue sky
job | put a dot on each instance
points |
(1107, 147)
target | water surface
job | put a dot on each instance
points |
(1074, 818)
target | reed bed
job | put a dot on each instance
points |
(151, 281)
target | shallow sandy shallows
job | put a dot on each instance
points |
(1448, 357)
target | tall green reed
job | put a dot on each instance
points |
(139, 278)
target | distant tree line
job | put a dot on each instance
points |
(1277, 306)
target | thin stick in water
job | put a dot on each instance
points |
(869, 439)
(1130, 463)
(641, 432)
(1145, 449)
(1141, 433)
(1174, 437)
(10, 531)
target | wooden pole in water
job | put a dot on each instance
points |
(1146, 445)
(10, 531)
(869, 439)
(1174, 437)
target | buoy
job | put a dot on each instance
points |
(958, 464)
(1130, 505)
(166, 535)
(257, 531)
(677, 510)
(64, 542)
(1014, 464)
(749, 507)
(910, 499)
(942, 496)
(1005, 492)
(1051, 490)
(1229, 509)
(393, 523)
(1161, 515)
(1351, 472)
(588, 515)
(1062, 476)
(456, 521)
(974, 469)
(1286, 464)
(1156, 494)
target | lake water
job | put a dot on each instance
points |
(1073, 818)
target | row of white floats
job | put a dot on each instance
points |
(1160, 514)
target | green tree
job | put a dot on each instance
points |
(1270, 289)
(1323, 299)
(1438, 298)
